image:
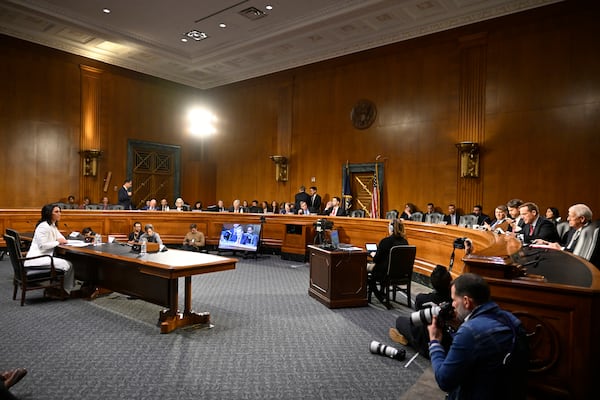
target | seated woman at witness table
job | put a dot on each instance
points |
(45, 238)
(379, 265)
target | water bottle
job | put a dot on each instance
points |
(98, 239)
(143, 246)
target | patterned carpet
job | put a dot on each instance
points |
(270, 340)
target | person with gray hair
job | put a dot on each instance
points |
(579, 239)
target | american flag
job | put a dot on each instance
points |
(375, 198)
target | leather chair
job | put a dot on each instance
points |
(417, 216)
(23, 246)
(392, 214)
(35, 277)
(116, 207)
(94, 207)
(562, 228)
(399, 273)
(587, 242)
(467, 220)
(434, 218)
(357, 213)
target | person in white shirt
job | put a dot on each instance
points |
(45, 238)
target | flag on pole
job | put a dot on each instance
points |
(347, 193)
(375, 197)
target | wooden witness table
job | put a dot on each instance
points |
(153, 277)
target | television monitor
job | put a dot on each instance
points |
(244, 237)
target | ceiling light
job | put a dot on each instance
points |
(252, 13)
(184, 40)
(269, 7)
(222, 25)
(196, 35)
(106, 10)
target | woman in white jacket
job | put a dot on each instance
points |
(45, 239)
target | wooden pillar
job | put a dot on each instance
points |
(471, 120)
(90, 138)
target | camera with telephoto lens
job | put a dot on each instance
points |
(444, 313)
(322, 225)
(387, 351)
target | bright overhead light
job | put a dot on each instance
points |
(201, 122)
(184, 40)
(106, 10)
(269, 7)
(222, 25)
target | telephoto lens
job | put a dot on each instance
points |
(387, 351)
(424, 316)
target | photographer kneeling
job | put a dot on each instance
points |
(488, 357)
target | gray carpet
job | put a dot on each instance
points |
(270, 340)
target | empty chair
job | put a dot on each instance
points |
(399, 273)
(467, 220)
(23, 246)
(417, 216)
(562, 228)
(94, 207)
(357, 213)
(434, 218)
(392, 214)
(34, 277)
(116, 207)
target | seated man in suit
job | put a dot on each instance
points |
(580, 219)
(453, 216)
(501, 221)
(535, 226)
(254, 208)
(335, 209)
(482, 218)
(514, 217)
(430, 210)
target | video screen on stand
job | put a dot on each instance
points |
(244, 237)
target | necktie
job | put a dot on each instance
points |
(333, 212)
(573, 241)
(531, 230)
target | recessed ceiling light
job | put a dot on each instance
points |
(269, 7)
(222, 25)
(106, 10)
(184, 40)
(196, 35)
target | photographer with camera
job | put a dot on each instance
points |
(488, 357)
(407, 332)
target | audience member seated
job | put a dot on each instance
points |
(482, 218)
(379, 266)
(194, 239)
(535, 226)
(501, 221)
(336, 208)
(580, 221)
(453, 216)
(417, 337)
(136, 234)
(553, 215)
(409, 209)
(150, 236)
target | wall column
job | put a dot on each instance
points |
(90, 129)
(471, 119)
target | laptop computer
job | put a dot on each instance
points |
(335, 240)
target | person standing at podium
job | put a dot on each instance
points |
(397, 237)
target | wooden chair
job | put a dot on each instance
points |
(23, 245)
(34, 277)
(399, 273)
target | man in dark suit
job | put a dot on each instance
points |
(482, 218)
(125, 194)
(453, 216)
(301, 196)
(336, 209)
(536, 227)
(314, 205)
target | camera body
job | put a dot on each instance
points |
(459, 243)
(322, 224)
(387, 351)
(444, 313)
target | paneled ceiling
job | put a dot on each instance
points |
(146, 35)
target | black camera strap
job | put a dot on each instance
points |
(451, 260)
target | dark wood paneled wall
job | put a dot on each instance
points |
(526, 86)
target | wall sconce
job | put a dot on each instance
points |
(281, 168)
(90, 161)
(469, 159)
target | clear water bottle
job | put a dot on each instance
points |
(143, 247)
(98, 239)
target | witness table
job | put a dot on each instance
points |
(153, 277)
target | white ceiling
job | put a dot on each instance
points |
(145, 35)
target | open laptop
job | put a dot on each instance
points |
(335, 240)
